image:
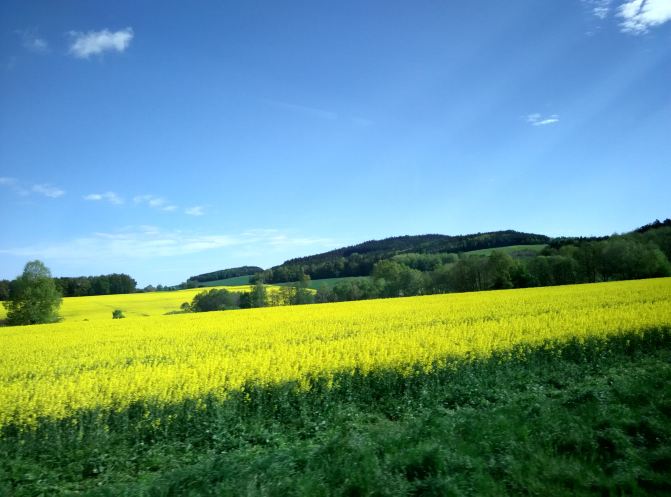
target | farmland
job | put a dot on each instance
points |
(138, 390)
(100, 307)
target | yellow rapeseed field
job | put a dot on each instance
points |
(55, 370)
(132, 305)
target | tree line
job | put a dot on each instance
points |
(633, 256)
(80, 286)
(358, 260)
(259, 296)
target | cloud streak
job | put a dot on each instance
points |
(97, 42)
(196, 210)
(537, 119)
(24, 190)
(110, 197)
(48, 190)
(146, 242)
(155, 202)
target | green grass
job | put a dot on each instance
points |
(328, 282)
(569, 419)
(235, 281)
(512, 250)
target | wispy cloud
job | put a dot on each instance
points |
(22, 189)
(600, 8)
(110, 197)
(155, 202)
(537, 119)
(145, 242)
(14, 185)
(96, 42)
(48, 190)
(32, 42)
(638, 16)
(196, 210)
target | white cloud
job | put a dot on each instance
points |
(146, 242)
(110, 197)
(641, 15)
(155, 202)
(196, 210)
(537, 119)
(48, 190)
(96, 42)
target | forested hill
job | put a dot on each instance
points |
(226, 273)
(358, 260)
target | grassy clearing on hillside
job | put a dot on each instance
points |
(133, 305)
(328, 282)
(512, 250)
(235, 281)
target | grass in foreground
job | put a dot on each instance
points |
(591, 418)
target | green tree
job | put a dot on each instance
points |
(499, 265)
(117, 314)
(33, 296)
(4, 289)
(302, 294)
(215, 300)
(259, 295)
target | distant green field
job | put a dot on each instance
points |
(328, 282)
(512, 250)
(235, 281)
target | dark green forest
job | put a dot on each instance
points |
(225, 273)
(358, 260)
(79, 286)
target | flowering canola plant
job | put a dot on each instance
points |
(132, 304)
(53, 371)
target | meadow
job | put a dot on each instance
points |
(380, 397)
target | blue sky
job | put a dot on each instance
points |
(165, 139)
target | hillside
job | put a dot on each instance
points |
(225, 274)
(358, 260)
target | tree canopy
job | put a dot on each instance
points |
(33, 296)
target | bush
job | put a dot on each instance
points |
(117, 314)
(215, 300)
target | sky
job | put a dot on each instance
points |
(167, 139)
